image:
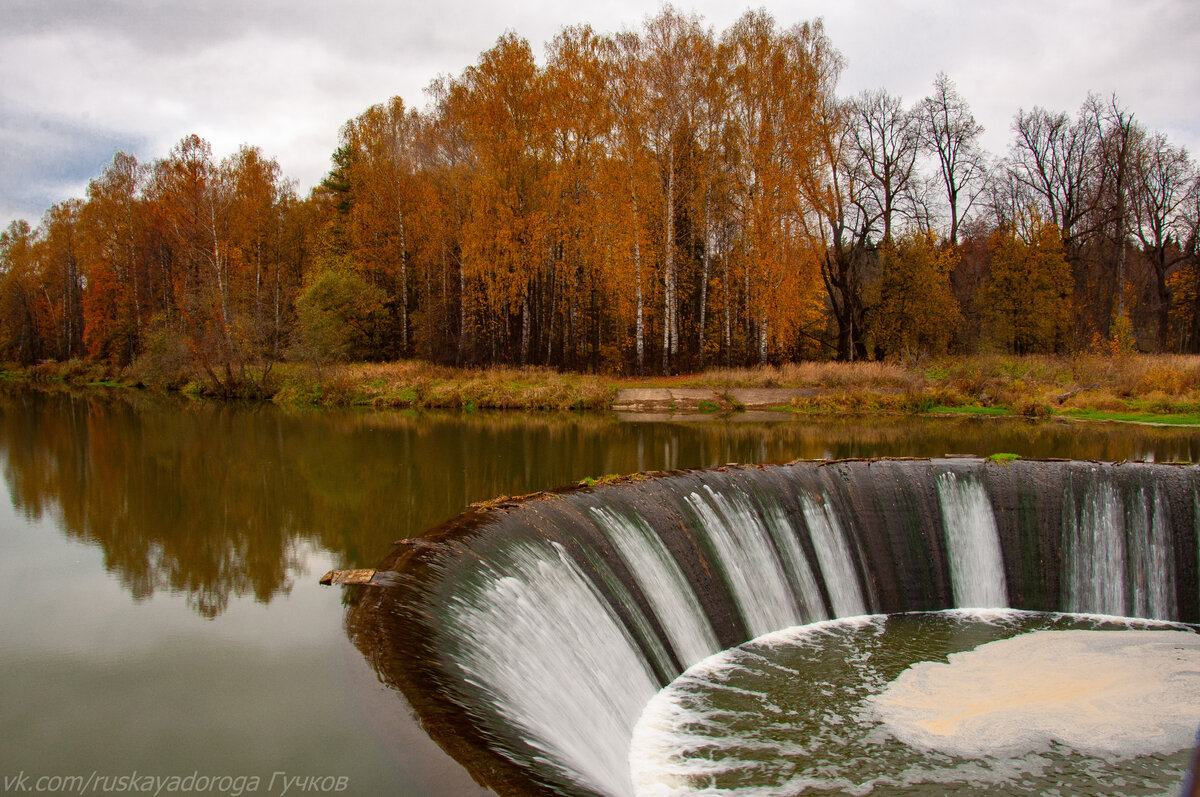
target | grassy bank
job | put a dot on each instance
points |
(1155, 388)
(407, 384)
(1142, 388)
(413, 384)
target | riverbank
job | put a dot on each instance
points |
(1144, 388)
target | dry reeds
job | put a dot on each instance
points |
(1034, 386)
(867, 374)
(415, 384)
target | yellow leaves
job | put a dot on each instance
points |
(1026, 299)
(1184, 287)
(917, 311)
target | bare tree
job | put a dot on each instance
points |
(886, 140)
(1054, 158)
(1164, 186)
(950, 133)
(1117, 138)
(842, 227)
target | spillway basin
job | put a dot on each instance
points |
(959, 702)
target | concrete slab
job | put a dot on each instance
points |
(696, 394)
(764, 398)
(642, 395)
(661, 398)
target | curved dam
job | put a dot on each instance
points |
(530, 633)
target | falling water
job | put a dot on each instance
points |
(1095, 550)
(747, 559)
(1118, 551)
(805, 586)
(976, 565)
(1150, 561)
(541, 648)
(664, 584)
(837, 568)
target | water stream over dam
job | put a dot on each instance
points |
(530, 634)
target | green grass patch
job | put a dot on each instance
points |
(589, 481)
(406, 396)
(709, 407)
(970, 410)
(1004, 456)
(1174, 419)
(937, 373)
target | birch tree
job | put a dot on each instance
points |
(672, 73)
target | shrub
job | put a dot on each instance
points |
(339, 316)
(1032, 408)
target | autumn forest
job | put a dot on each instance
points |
(659, 200)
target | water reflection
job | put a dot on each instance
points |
(216, 501)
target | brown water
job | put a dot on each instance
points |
(159, 559)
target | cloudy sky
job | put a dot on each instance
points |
(81, 79)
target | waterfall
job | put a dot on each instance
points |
(1119, 556)
(976, 565)
(1095, 547)
(664, 584)
(529, 636)
(747, 559)
(539, 649)
(1150, 558)
(834, 555)
(787, 539)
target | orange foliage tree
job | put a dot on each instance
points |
(21, 330)
(663, 197)
(917, 311)
(1026, 300)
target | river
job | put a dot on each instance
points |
(159, 561)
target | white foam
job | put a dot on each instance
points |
(664, 584)
(1113, 694)
(665, 760)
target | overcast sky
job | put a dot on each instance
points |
(81, 79)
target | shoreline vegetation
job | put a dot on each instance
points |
(1134, 388)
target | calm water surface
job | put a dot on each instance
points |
(159, 564)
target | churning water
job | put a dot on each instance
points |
(945, 703)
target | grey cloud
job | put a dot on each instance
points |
(286, 75)
(149, 25)
(44, 159)
(371, 29)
